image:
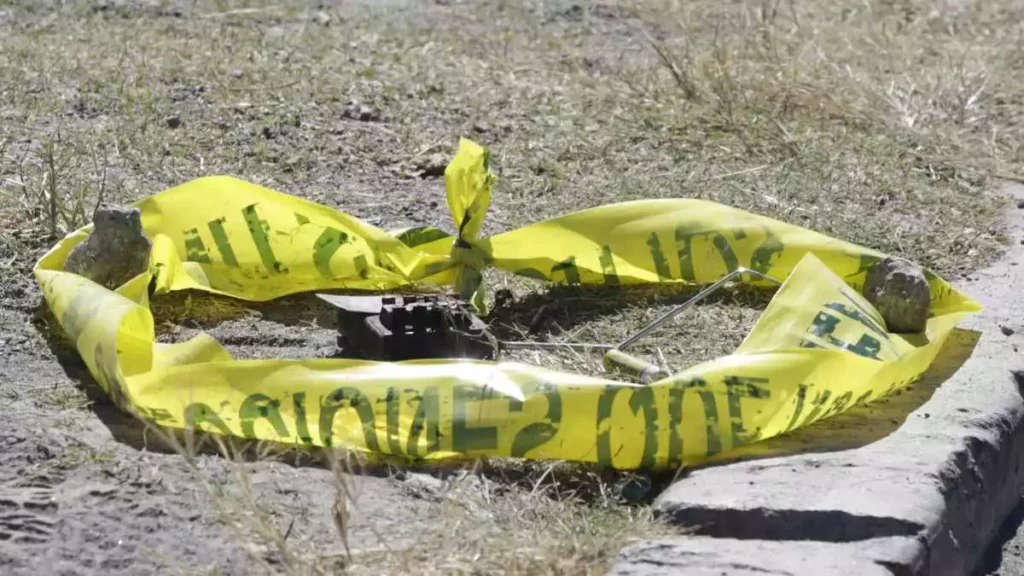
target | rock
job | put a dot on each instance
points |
(503, 297)
(574, 12)
(423, 485)
(899, 290)
(115, 252)
(237, 74)
(1006, 330)
(361, 112)
(173, 122)
(639, 488)
(431, 166)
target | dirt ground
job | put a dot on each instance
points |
(882, 123)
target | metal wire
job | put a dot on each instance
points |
(527, 345)
(513, 345)
(690, 302)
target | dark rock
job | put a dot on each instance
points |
(1006, 330)
(115, 252)
(573, 12)
(361, 112)
(899, 290)
(173, 122)
(503, 297)
(639, 488)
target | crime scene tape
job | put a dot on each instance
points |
(817, 350)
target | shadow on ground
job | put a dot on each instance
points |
(1007, 539)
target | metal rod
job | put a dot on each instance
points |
(690, 302)
(504, 344)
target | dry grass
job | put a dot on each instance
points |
(512, 517)
(882, 122)
(568, 315)
(493, 527)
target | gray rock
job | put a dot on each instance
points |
(115, 252)
(899, 290)
(423, 486)
(432, 166)
(360, 112)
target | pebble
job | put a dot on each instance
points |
(361, 112)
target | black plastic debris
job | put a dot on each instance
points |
(409, 327)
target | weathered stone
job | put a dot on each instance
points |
(115, 252)
(360, 112)
(899, 290)
(432, 166)
(423, 485)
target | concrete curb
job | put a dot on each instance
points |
(924, 499)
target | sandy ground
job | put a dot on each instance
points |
(79, 492)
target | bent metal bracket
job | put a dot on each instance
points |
(818, 349)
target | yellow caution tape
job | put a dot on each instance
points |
(817, 350)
